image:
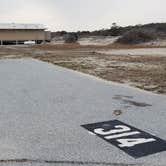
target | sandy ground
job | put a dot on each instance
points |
(158, 42)
(93, 40)
(140, 51)
(97, 41)
(143, 68)
(106, 40)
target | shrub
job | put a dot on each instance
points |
(137, 36)
(71, 38)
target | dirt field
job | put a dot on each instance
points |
(144, 71)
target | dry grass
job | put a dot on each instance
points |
(77, 46)
(145, 72)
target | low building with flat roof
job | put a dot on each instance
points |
(19, 33)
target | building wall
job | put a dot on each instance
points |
(47, 35)
(22, 35)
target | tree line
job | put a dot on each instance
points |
(115, 30)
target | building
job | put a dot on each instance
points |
(19, 33)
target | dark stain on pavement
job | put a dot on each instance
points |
(137, 104)
(128, 100)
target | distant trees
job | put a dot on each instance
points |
(161, 28)
(83, 33)
(58, 33)
(130, 34)
(115, 30)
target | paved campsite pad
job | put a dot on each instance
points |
(42, 108)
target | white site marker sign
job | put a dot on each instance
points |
(129, 139)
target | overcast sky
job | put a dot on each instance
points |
(73, 15)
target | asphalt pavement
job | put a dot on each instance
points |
(45, 109)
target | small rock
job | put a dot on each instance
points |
(117, 112)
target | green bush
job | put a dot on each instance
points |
(71, 38)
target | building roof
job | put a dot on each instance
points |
(21, 26)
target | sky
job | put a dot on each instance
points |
(74, 15)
